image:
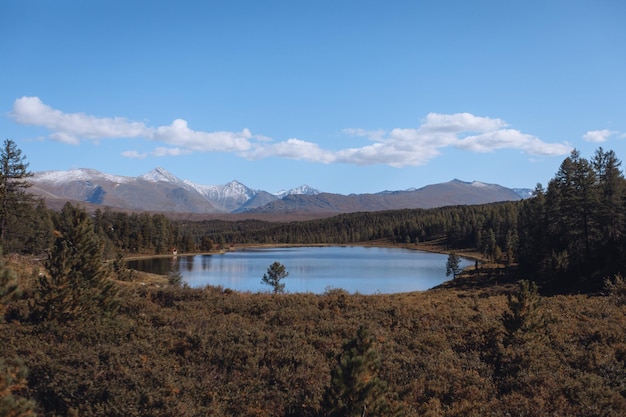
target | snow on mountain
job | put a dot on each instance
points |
(301, 190)
(161, 174)
(524, 192)
(229, 196)
(160, 190)
(233, 189)
(79, 174)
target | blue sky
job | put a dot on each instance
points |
(345, 96)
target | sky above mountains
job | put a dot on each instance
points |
(348, 97)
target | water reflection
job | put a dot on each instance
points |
(366, 270)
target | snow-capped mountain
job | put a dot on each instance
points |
(162, 191)
(157, 190)
(229, 197)
(80, 174)
(301, 190)
(159, 174)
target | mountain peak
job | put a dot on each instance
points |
(301, 190)
(159, 174)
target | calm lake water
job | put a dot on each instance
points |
(366, 270)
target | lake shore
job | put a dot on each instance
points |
(434, 247)
(149, 278)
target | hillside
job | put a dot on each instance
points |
(161, 191)
(451, 193)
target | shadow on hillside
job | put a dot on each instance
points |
(488, 281)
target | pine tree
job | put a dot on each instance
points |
(532, 242)
(355, 388)
(14, 182)
(524, 315)
(274, 276)
(521, 355)
(572, 201)
(76, 283)
(452, 265)
(610, 212)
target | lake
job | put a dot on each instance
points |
(366, 270)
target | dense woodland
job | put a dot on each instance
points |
(538, 329)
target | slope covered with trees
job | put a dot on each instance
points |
(575, 230)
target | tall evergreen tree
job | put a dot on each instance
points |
(14, 182)
(571, 201)
(452, 265)
(611, 215)
(531, 231)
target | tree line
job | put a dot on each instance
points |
(575, 230)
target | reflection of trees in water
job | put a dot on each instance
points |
(353, 268)
(206, 263)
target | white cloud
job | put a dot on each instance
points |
(179, 134)
(296, 149)
(599, 136)
(460, 122)
(511, 139)
(399, 147)
(71, 127)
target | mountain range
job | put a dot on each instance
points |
(161, 191)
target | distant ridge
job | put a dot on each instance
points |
(161, 191)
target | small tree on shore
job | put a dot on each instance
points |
(453, 265)
(274, 276)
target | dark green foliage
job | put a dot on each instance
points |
(524, 314)
(174, 277)
(458, 227)
(573, 234)
(120, 270)
(76, 283)
(23, 227)
(355, 388)
(276, 272)
(452, 265)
